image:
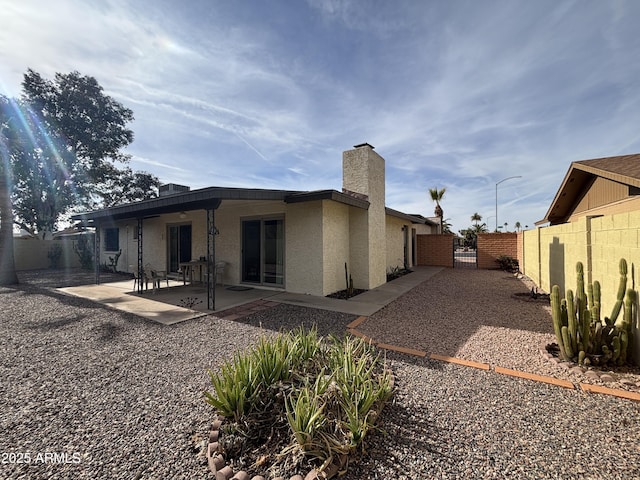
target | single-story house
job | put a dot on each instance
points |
(601, 186)
(298, 241)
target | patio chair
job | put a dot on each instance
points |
(138, 281)
(156, 276)
(159, 276)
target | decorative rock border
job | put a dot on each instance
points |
(570, 366)
(592, 374)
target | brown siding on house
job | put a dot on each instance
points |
(493, 245)
(435, 250)
(601, 192)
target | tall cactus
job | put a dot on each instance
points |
(622, 287)
(556, 315)
(596, 301)
(580, 333)
(572, 321)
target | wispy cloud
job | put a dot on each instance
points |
(456, 94)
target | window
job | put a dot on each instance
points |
(111, 239)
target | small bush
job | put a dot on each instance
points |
(508, 264)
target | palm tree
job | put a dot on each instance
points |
(436, 196)
(446, 226)
(476, 217)
(518, 226)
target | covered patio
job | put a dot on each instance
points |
(168, 304)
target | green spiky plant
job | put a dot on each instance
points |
(302, 398)
(582, 337)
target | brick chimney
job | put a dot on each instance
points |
(363, 176)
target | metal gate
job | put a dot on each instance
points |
(464, 257)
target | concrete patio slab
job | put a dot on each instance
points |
(117, 295)
(367, 303)
(167, 304)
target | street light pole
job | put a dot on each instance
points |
(503, 180)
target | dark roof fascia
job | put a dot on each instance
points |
(201, 199)
(334, 195)
(559, 194)
(405, 216)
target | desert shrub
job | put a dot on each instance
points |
(296, 401)
(508, 264)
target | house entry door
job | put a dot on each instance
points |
(263, 251)
(179, 246)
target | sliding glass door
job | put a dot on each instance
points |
(263, 251)
(179, 245)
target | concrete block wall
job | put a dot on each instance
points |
(493, 245)
(551, 253)
(435, 250)
(32, 253)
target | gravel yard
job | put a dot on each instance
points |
(118, 397)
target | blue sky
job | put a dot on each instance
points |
(455, 94)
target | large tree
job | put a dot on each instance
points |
(71, 136)
(61, 144)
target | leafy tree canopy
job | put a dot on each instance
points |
(64, 139)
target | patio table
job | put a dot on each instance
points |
(184, 266)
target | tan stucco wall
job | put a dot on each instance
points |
(335, 245)
(395, 242)
(358, 247)
(303, 248)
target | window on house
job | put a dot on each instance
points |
(111, 239)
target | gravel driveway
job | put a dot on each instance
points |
(88, 392)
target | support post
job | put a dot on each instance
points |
(211, 259)
(96, 253)
(140, 260)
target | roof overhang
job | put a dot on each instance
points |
(333, 195)
(623, 169)
(203, 199)
(416, 219)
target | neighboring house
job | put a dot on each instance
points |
(602, 186)
(594, 219)
(294, 240)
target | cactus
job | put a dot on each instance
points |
(581, 357)
(595, 315)
(580, 280)
(622, 287)
(580, 332)
(568, 349)
(349, 282)
(571, 320)
(624, 347)
(556, 315)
